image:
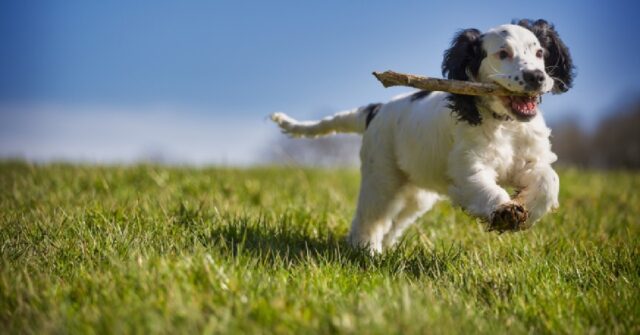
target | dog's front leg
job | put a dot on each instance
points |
(478, 193)
(539, 187)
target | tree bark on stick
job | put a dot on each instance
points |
(391, 78)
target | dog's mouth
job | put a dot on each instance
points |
(524, 108)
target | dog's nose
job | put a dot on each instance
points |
(533, 78)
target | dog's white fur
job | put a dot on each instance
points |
(416, 151)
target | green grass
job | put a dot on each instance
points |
(148, 249)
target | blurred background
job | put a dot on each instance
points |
(192, 82)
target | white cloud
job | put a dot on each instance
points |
(113, 134)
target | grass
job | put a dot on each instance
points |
(148, 249)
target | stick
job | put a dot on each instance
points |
(390, 78)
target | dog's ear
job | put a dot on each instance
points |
(557, 60)
(464, 56)
(462, 62)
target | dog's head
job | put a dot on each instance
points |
(525, 57)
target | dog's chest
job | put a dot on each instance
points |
(514, 147)
(504, 149)
(501, 152)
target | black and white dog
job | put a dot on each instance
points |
(421, 146)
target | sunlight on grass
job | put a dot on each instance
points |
(164, 250)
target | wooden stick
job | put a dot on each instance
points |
(390, 78)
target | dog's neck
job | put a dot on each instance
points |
(488, 113)
(500, 117)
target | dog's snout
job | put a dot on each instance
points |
(533, 78)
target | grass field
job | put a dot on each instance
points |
(148, 249)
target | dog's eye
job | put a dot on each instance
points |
(539, 53)
(503, 54)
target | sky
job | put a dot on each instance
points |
(193, 81)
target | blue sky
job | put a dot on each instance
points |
(119, 80)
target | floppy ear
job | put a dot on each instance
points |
(557, 60)
(464, 56)
(462, 62)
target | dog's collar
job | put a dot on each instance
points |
(501, 117)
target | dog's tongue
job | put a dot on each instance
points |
(524, 105)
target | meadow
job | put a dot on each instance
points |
(152, 249)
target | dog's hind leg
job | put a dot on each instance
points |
(379, 201)
(416, 203)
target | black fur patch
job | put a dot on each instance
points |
(557, 60)
(462, 59)
(464, 106)
(371, 110)
(419, 95)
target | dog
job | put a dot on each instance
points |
(424, 146)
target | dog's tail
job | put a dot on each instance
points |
(351, 121)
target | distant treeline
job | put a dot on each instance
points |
(613, 144)
(331, 151)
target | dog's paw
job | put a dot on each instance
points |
(508, 217)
